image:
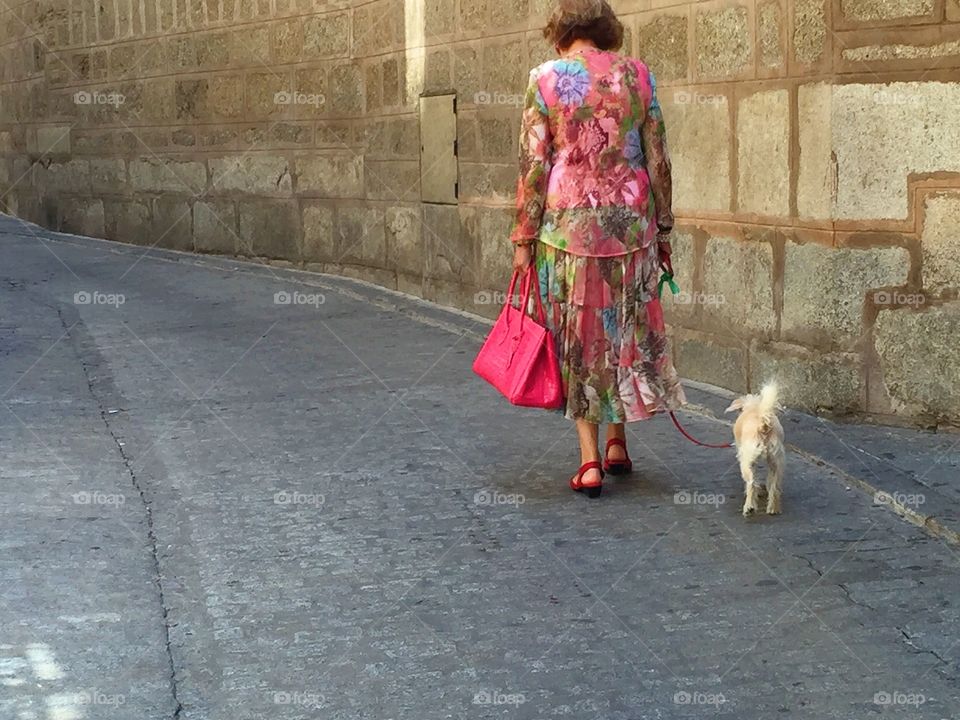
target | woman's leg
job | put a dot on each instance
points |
(617, 430)
(588, 433)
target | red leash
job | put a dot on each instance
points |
(693, 439)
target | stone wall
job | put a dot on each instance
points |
(816, 150)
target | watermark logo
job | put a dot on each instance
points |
(98, 298)
(85, 497)
(494, 497)
(95, 697)
(897, 298)
(692, 497)
(301, 699)
(685, 97)
(299, 98)
(493, 297)
(498, 98)
(899, 698)
(291, 497)
(298, 298)
(899, 498)
(699, 298)
(496, 697)
(698, 698)
(96, 97)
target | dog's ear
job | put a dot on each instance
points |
(736, 404)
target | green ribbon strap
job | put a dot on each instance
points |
(667, 279)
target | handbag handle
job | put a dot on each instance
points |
(529, 281)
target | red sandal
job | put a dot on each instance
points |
(591, 490)
(617, 467)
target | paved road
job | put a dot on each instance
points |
(217, 506)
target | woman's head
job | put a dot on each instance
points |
(590, 20)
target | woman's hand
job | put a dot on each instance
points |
(522, 257)
(664, 251)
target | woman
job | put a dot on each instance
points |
(594, 215)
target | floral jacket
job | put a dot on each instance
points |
(594, 166)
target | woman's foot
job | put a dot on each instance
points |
(616, 460)
(589, 479)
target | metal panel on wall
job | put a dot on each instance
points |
(438, 149)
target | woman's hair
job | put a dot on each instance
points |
(592, 20)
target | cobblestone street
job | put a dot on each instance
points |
(239, 492)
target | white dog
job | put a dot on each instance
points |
(758, 432)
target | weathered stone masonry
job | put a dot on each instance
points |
(816, 149)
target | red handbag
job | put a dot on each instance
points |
(518, 357)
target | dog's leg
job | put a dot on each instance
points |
(776, 459)
(750, 485)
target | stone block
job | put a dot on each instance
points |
(225, 96)
(872, 10)
(810, 381)
(126, 221)
(319, 239)
(919, 360)
(215, 227)
(405, 240)
(179, 176)
(824, 289)
(498, 137)
(53, 140)
(70, 176)
(723, 46)
(270, 229)
(335, 176)
(346, 90)
(698, 135)
(816, 180)
(503, 69)
(361, 236)
(393, 180)
(763, 153)
(940, 242)
(288, 40)
(737, 291)
(171, 224)
(488, 236)
(266, 92)
(809, 31)
(393, 81)
(447, 245)
(878, 145)
(326, 36)
(705, 359)
(488, 181)
(770, 34)
(663, 43)
(250, 46)
(253, 174)
(684, 269)
(440, 17)
(466, 73)
(82, 217)
(108, 176)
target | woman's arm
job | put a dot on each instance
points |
(654, 136)
(535, 163)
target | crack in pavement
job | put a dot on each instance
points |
(148, 510)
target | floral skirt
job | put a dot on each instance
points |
(607, 322)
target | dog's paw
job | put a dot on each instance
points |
(773, 508)
(748, 510)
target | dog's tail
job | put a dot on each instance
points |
(768, 400)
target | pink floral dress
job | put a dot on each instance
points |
(594, 187)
